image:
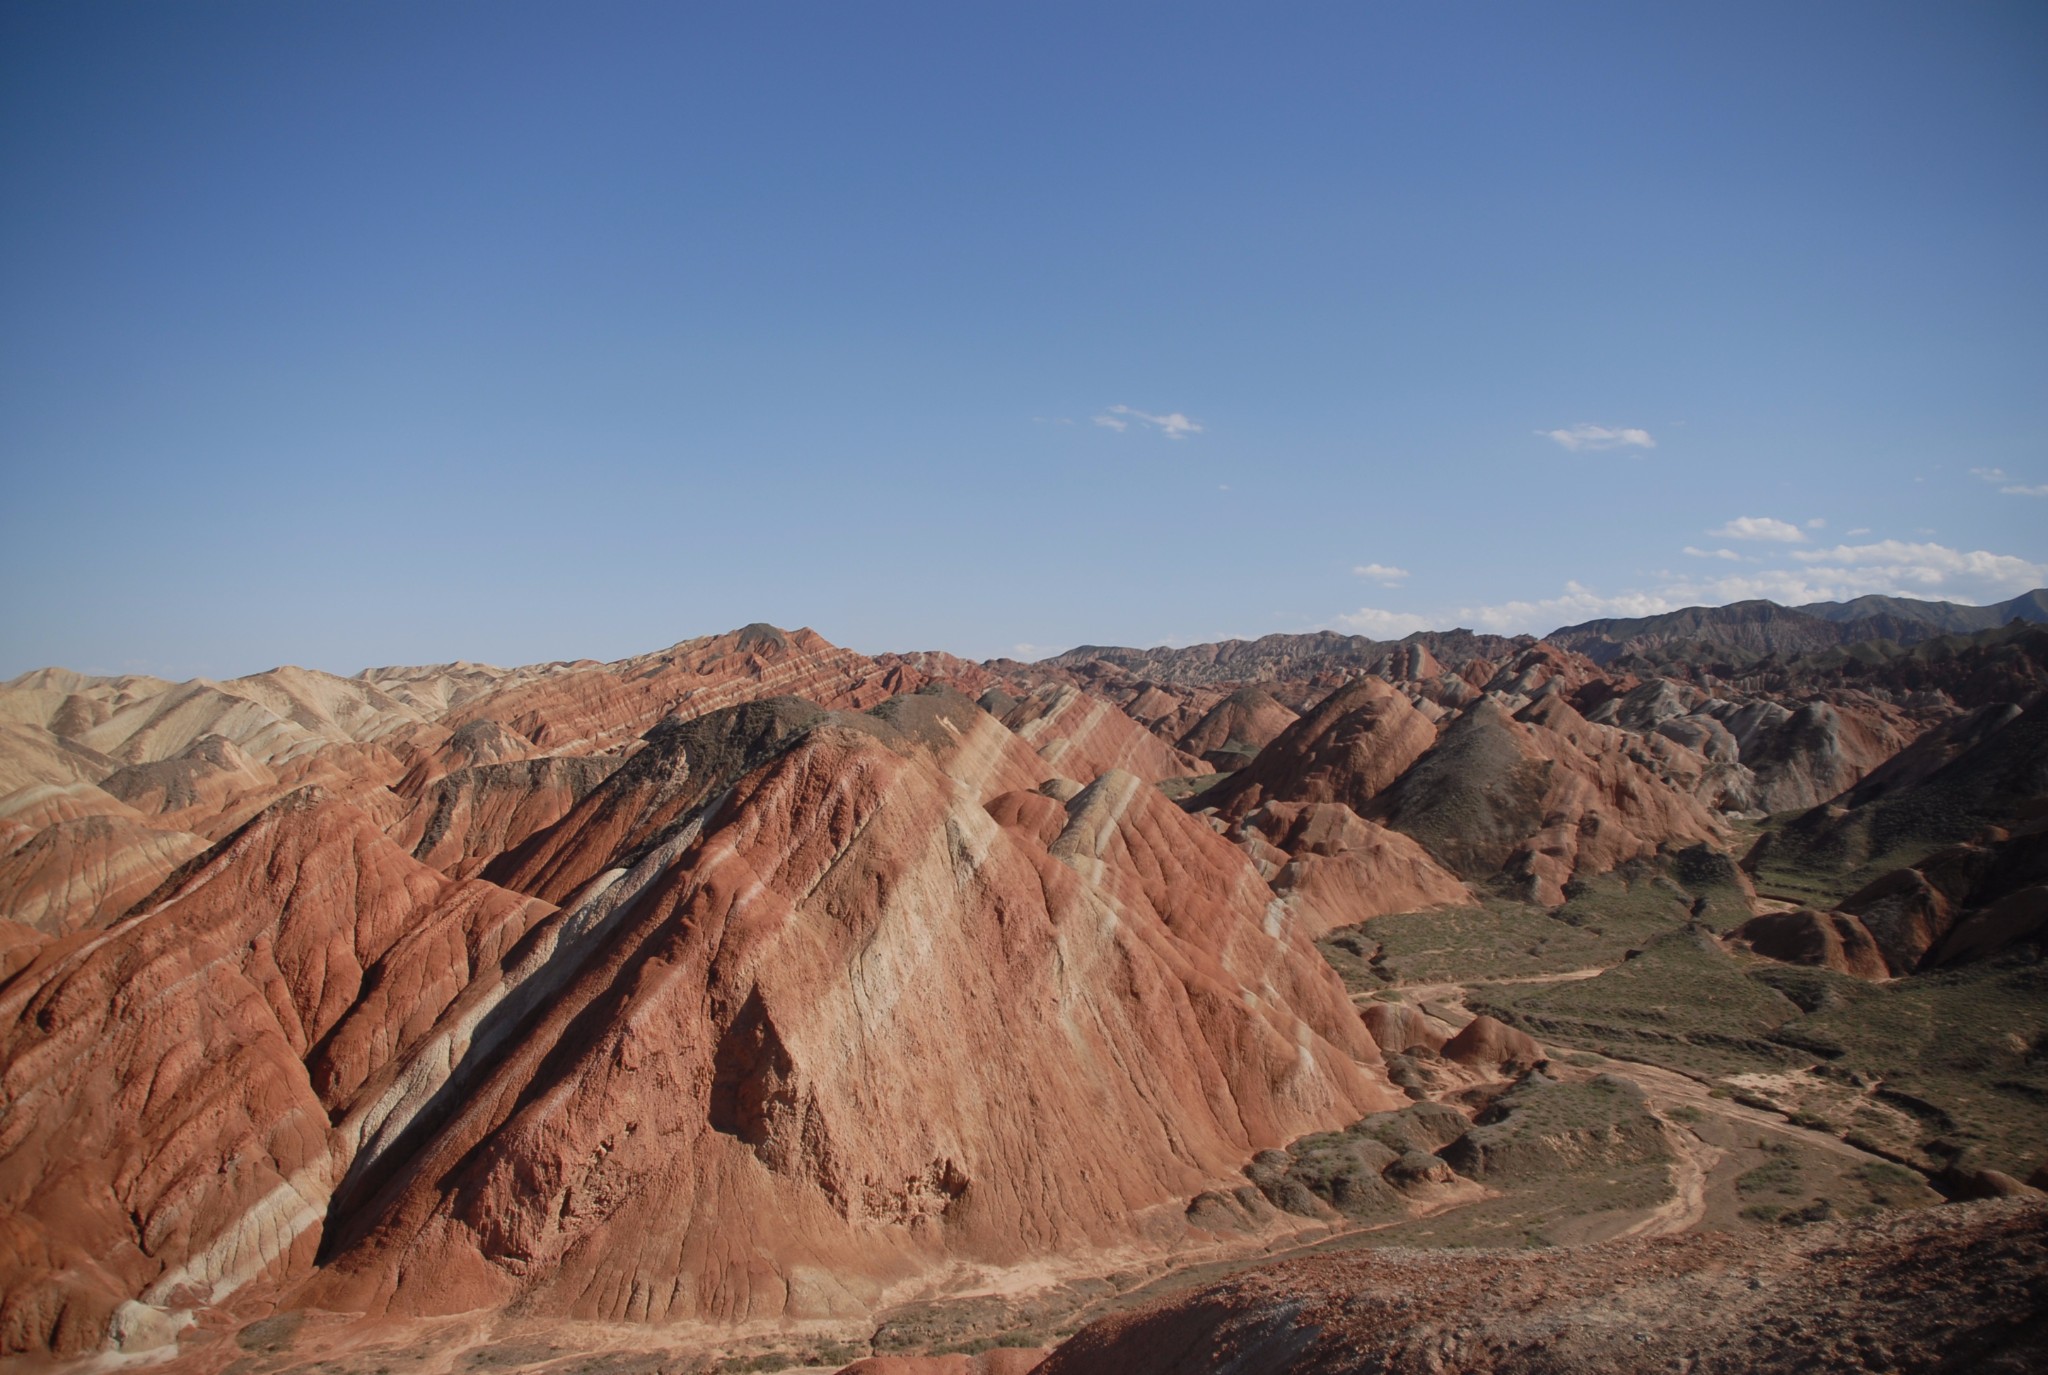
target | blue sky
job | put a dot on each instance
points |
(355, 333)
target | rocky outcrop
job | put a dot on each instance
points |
(1334, 868)
(1825, 940)
(1349, 749)
(192, 787)
(1270, 658)
(467, 818)
(1490, 1044)
(1083, 737)
(685, 763)
(1230, 733)
(1539, 796)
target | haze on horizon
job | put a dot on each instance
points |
(385, 333)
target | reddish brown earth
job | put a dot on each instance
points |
(1826, 940)
(1083, 737)
(1237, 728)
(172, 1080)
(1335, 868)
(1541, 795)
(582, 710)
(1946, 1289)
(1002, 1361)
(1400, 1027)
(1349, 749)
(773, 1056)
(85, 872)
(1484, 1041)
(789, 1076)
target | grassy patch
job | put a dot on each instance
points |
(1964, 1053)
(1602, 919)
(1683, 1002)
(1542, 1128)
(1779, 1175)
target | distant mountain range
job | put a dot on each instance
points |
(1747, 631)
(1739, 633)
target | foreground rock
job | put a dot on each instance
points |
(171, 1082)
(1958, 1288)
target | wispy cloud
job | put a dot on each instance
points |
(1761, 528)
(1597, 437)
(1729, 554)
(1383, 625)
(1386, 575)
(1173, 424)
(2003, 480)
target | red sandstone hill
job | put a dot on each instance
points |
(172, 1081)
(581, 710)
(771, 1058)
(757, 978)
(1349, 749)
(1230, 733)
(792, 1071)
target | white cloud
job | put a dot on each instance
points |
(1578, 603)
(1383, 625)
(1859, 530)
(1597, 437)
(1729, 554)
(1386, 575)
(2039, 490)
(1816, 524)
(1990, 474)
(1899, 564)
(1173, 424)
(1761, 527)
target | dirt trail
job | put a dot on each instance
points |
(1666, 1088)
(1453, 994)
(1670, 1088)
(1687, 1206)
